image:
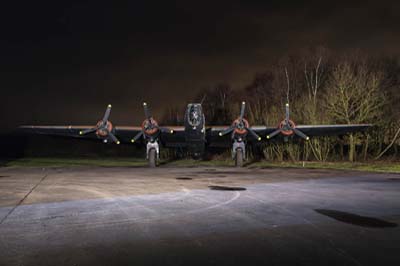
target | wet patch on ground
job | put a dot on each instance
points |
(355, 219)
(393, 179)
(227, 188)
(386, 180)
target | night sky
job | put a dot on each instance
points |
(62, 62)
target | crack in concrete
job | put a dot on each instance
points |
(23, 199)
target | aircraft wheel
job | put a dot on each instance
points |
(239, 157)
(152, 158)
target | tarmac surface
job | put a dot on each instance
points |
(198, 216)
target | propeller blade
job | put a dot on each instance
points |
(287, 112)
(146, 111)
(273, 134)
(242, 110)
(254, 134)
(113, 137)
(300, 134)
(87, 131)
(166, 130)
(107, 114)
(138, 135)
(226, 131)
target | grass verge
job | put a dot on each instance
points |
(393, 167)
(386, 167)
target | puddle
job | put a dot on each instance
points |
(355, 219)
(184, 178)
(226, 188)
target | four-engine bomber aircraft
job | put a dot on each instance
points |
(194, 136)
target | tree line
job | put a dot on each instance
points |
(322, 87)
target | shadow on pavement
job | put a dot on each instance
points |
(355, 219)
(183, 178)
(227, 188)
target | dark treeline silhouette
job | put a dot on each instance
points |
(322, 87)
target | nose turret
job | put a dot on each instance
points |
(194, 129)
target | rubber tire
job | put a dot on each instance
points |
(239, 157)
(152, 158)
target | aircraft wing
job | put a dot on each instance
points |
(123, 133)
(214, 140)
(306, 131)
(330, 130)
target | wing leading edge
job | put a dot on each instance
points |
(124, 133)
(331, 130)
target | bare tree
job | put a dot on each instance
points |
(354, 96)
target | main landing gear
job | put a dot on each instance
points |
(238, 152)
(152, 153)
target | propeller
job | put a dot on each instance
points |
(287, 127)
(149, 126)
(103, 128)
(287, 113)
(146, 111)
(226, 131)
(138, 135)
(240, 126)
(242, 108)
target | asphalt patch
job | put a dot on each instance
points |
(355, 219)
(226, 188)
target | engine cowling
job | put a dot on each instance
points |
(150, 127)
(240, 126)
(287, 127)
(103, 131)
